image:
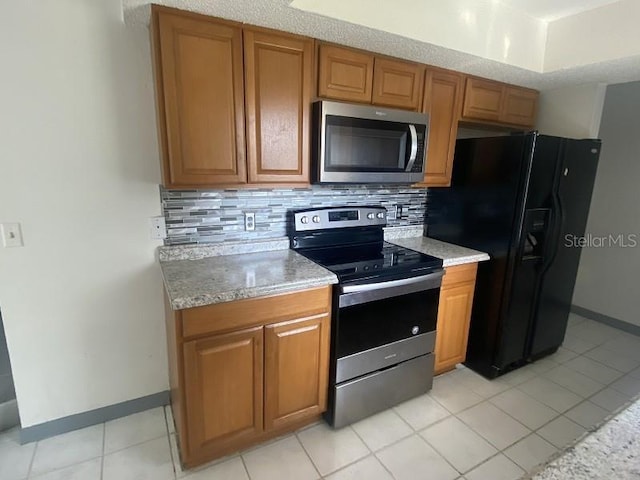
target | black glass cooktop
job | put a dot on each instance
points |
(364, 261)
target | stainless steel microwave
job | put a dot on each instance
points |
(366, 144)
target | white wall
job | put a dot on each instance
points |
(82, 301)
(606, 33)
(485, 28)
(572, 112)
(608, 278)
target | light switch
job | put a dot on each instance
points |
(11, 235)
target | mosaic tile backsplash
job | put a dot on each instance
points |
(206, 216)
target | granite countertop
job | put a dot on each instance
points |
(204, 281)
(449, 253)
(198, 275)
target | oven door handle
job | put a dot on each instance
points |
(370, 292)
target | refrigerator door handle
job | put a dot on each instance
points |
(558, 225)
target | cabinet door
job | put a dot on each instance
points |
(482, 100)
(201, 102)
(223, 383)
(520, 106)
(296, 368)
(345, 74)
(397, 84)
(278, 70)
(443, 101)
(454, 315)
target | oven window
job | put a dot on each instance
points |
(359, 145)
(370, 325)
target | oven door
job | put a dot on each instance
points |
(382, 324)
(366, 144)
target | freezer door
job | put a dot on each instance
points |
(571, 201)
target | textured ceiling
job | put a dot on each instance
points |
(279, 15)
(549, 10)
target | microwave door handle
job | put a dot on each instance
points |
(414, 148)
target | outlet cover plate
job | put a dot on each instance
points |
(249, 221)
(11, 235)
(157, 228)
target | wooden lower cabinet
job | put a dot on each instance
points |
(259, 370)
(296, 368)
(454, 316)
(223, 373)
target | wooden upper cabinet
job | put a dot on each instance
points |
(482, 99)
(345, 74)
(398, 84)
(520, 106)
(200, 100)
(443, 101)
(496, 102)
(224, 388)
(296, 366)
(278, 82)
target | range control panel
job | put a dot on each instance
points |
(339, 217)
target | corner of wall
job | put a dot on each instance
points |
(598, 106)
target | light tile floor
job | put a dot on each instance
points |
(466, 428)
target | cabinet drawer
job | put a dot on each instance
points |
(459, 274)
(254, 311)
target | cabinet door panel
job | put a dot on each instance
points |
(443, 101)
(454, 315)
(482, 99)
(397, 84)
(202, 88)
(345, 74)
(296, 367)
(520, 106)
(223, 381)
(278, 83)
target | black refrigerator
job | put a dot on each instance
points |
(523, 199)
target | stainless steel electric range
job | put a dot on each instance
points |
(385, 308)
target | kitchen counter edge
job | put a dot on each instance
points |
(450, 254)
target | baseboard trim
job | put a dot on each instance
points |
(92, 417)
(606, 319)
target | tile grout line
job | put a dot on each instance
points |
(372, 453)
(295, 434)
(489, 441)
(441, 455)
(244, 465)
(166, 424)
(33, 457)
(104, 436)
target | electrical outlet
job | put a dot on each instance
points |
(249, 221)
(158, 228)
(399, 211)
(11, 235)
(392, 212)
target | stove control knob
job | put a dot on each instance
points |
(304, 220)
(415, 330)
(371, 216)
(380, 215)
(316, 219)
